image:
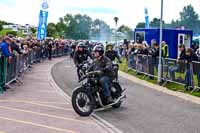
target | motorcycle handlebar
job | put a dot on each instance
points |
(90, 73)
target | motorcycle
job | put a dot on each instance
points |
(89, 96)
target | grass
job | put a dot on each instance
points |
(172, 86)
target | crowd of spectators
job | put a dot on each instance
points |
(143, 57)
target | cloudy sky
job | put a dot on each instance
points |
(130, 12)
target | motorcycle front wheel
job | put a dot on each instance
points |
(82, 102)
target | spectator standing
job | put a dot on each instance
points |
(197, 55)
(50, 49)
(154, 53)
(179, 62)
(6, 51)
(189, 57)
(165, 50)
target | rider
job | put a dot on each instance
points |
(81, 54)
(112, 55)
(103, 64)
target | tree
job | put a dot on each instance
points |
(69, 26)
(14, 33)
(33, 30)
(189, 18)
(155, 23)
(140, 25)
(61, 27)
(126, 30)
(1, 27)
(84, 24)
(51, 30)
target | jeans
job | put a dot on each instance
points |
(105, 83)
(198, 77)
(172, 71)
(188, 77)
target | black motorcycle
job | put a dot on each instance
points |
(89, 96)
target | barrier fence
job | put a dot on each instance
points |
(180, 72)
(12, 68)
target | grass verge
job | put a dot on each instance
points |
(172, 86)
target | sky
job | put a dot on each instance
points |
(130, 12)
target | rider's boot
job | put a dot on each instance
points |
(109, 100)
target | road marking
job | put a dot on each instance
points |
(47, 115)
(23, 101)
(38, 125)
(25, 91)
(44, 105)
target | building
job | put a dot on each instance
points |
(173, 37)
(26, 29)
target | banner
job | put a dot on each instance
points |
(43, 17)
(146, 18)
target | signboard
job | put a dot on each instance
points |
(43, 16)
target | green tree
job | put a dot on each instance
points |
(126, 30)
(69, 25)
(1, 27)
(140, 25)
(14, 33)
(155, 23)
(51, 30)
(61, 27)
(190, 19)
(84, 24)
(33, 30)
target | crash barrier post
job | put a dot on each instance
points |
(179, 72)
(3, 62)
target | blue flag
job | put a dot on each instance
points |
(42, 26)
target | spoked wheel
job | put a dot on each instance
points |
(116, 92)
(82, 102)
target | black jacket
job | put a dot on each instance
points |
(154, 52)
(112, 55)
(81, 56)
(15, 47)
(104, 65)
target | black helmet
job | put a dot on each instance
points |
(99, 49)
(81, 45)
(108, 45)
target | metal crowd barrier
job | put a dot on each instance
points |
(181, 72)
(12, 69)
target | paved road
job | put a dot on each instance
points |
(145, 110)
(37, 107)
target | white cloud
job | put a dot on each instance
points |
(130, 12)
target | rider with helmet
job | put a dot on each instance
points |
(81, 54)
(103, 64)
(112, 55)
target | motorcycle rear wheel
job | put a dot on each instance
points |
(116, 92)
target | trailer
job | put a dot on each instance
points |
(173, 37)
